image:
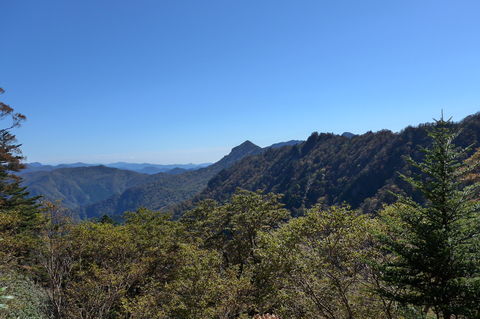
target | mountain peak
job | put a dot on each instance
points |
(247, 143)
(246, 148)
(348, 134)
(238, 152)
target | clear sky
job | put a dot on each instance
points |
(177, 81)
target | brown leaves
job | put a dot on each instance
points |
(8, 111)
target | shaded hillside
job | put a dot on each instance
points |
(282, 144)
(147, 168)
(81, 186)
(332, 169)
(163, 190)
(37, 167)
(144, 168)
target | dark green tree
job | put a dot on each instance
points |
(435, 244)
(12, 195)
(233, 228)
(105, 219)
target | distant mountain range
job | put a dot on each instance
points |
(359, 170)
(94, 190)
(145, 168)
(165, 190)
(79, 186)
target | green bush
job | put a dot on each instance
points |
(25, 301)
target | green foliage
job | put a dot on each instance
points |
(105, 219)
(200, 288)
(25, 300)
(104, 266)
(19, 214)
(233, 228)
(12, 195)
(317, 267)
(245, 257)
(436, 244)
(20, 238)
(4, 297)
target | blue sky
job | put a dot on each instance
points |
(176, 81)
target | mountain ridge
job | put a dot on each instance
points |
(163, 190)
(359, 170)
(331, 169)
(146, 168)
(77, 186)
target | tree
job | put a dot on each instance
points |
(316, 266)
(435, 244)
(12, 195)
(178, 278)
(20, 219)
(233, 228)
(55, 257)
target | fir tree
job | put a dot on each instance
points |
(12, 195)
(435, 244)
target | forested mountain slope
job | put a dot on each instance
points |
(80, 186)
(163, 190)
(332, 169)
(360, 170)
(144, 168)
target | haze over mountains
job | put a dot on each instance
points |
(162, 190)
(79, 186)
(326, 168)
(145, 168)
(94, 190)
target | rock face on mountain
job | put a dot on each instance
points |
(332, 169)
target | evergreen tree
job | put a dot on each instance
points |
(20, 219)
(435, 244)
(105, 219)
(12, 195)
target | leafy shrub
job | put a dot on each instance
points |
(27, 300)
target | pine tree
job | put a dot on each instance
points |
(12, 195)
(435, 245)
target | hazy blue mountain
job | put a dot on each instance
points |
(79, 186)
(178, 170)
(36, 166)
(164, 190)
(97, 190)
(148, 168)
(145, 168)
